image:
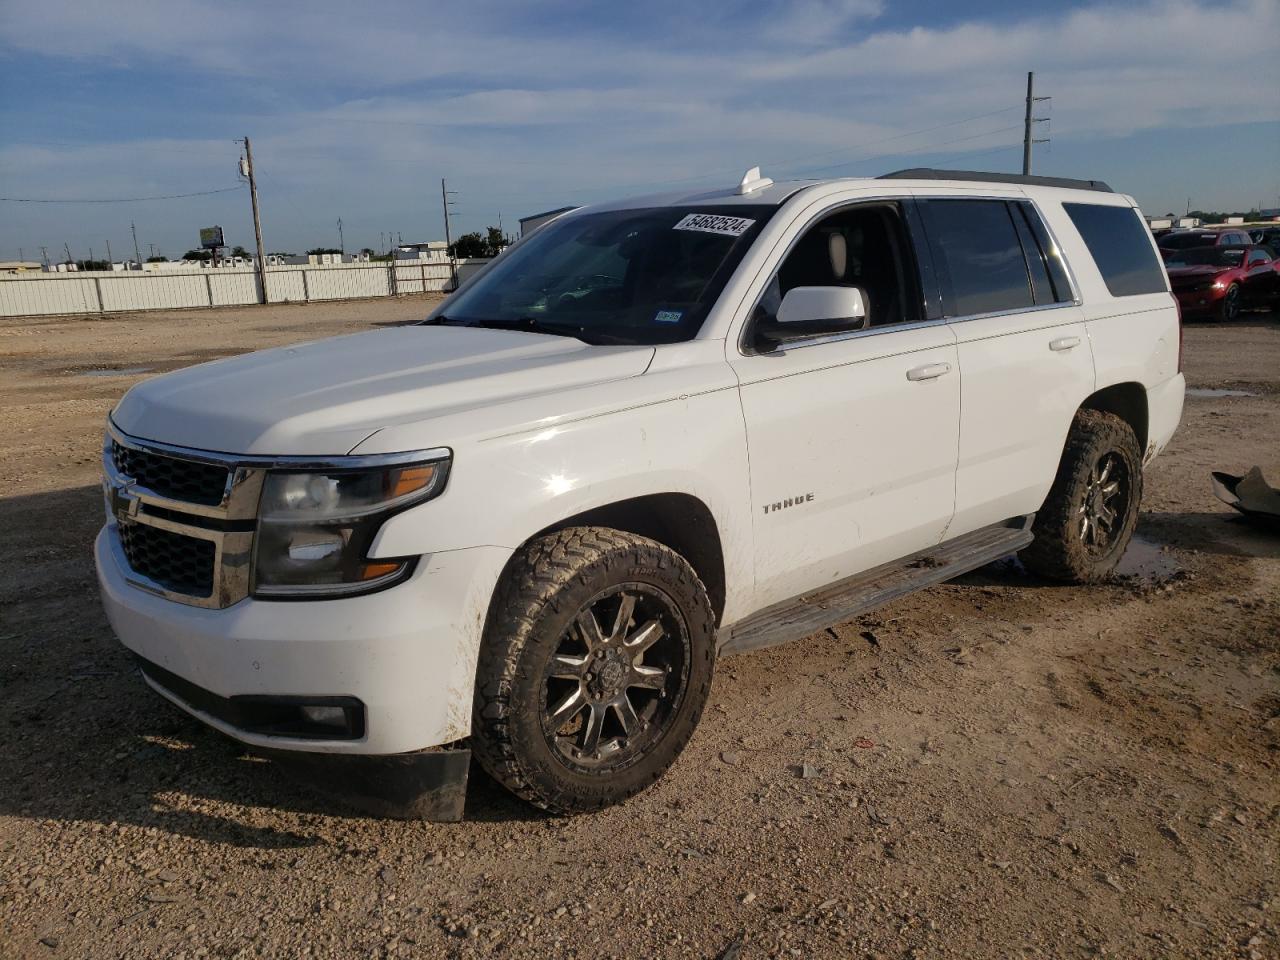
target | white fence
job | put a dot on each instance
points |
(37, 294)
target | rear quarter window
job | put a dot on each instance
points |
(1121, 247)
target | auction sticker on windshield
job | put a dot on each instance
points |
(713, 223)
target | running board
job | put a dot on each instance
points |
(811, 612)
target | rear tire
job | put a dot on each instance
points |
(595, 668)
(1089, 517)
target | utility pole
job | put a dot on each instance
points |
(257, 221)
(110, 259)
(153, 248)
(448, 238)
(44, 252)
(342, 245)
(68, 249)
(136, 255)
(1027, 138)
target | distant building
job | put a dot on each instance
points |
(435, 251)
(1160, 223)
(20, 266)
(531, 223)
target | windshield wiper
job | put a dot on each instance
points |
(536, 325)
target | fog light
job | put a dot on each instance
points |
(325, 716)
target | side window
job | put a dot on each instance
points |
(1062, 292)
(1121, 247)
(864, 246)
(1258, 256)
(978, 255)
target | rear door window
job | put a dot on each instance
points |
(978, 255)
(1121, 247)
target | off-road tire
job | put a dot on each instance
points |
(1058, 551)
(542, 590)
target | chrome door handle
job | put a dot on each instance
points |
(930, 371)
(1064, 343)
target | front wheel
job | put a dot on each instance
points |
(1088, 519)
(1229, 309)
(595, 668)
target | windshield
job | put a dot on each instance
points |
(1204, 257)
(639, 276)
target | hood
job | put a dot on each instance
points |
(1197, 270)
(325, 397)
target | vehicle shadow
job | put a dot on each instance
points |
(88, 740)
(1222, 533)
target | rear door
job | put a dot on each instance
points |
(1025, 360)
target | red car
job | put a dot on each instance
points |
(1204, 237)
(1218, 282)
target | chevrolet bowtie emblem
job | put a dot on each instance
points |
(123, 503)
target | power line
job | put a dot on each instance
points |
(172, 196)
(981, 153)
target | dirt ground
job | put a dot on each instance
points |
(997, 767)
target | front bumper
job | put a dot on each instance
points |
(407, 654)
(1198, 303)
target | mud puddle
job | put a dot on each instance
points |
(115, 372)
(1147, 561)
(1211, 392)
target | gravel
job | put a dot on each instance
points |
(1097, 779)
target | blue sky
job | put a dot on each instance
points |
(356, 111)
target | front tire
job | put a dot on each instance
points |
(1089, 517)
(594, 670)
(1229, 310)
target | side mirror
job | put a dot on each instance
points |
(813, 312)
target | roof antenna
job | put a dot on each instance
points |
(752, 181)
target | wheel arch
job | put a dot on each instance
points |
(680, 521)
(1128, 401)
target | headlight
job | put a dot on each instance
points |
(315, 528)
(1219, 285)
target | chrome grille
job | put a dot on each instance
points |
(186, 480)
(181, 521)
(173, 537)
(179, 563)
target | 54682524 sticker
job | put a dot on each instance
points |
(715, 223)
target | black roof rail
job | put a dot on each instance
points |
(929, 173)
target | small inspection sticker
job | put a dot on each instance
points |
(668, 316)
(714, 223)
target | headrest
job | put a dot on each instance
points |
(838, 251)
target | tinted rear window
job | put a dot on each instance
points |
(1120, 246)
(1181, 241)
(980, 253)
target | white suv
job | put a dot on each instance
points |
(651, 433)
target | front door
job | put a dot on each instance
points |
(852, 437)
